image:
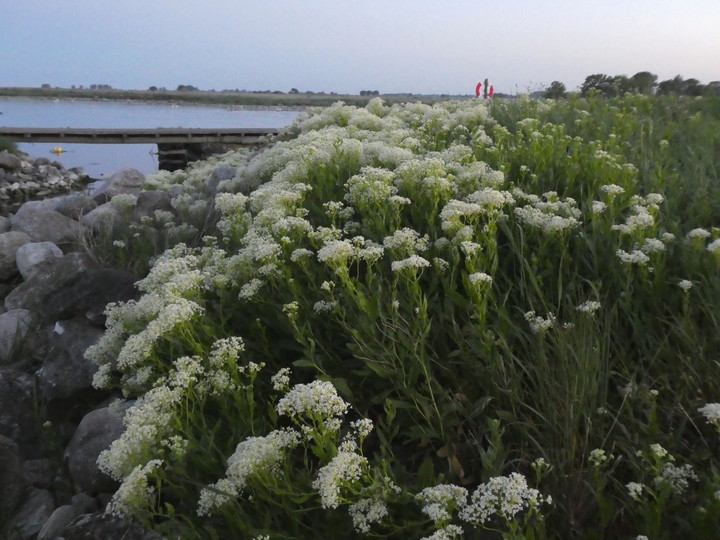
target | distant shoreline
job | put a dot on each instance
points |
(256, 100)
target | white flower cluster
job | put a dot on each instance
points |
(548, 223)
(711, 412)
(612, 190)
(406, 242)
(480, 278)
(698, 233)
(685, 284)
(591, 306)
(253, 456)
(343, 471)
(440, 502)
(414, 263)
(365, 512)
(714, 247)
(502, 496)
(598, 457)
(638, 221)
(677, 478)
(634, 257)
(539, 324)
(449, 532)
(635, 490)
(319, 398)
(134, 495)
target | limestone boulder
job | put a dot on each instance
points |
(102, 218)
(123, 181)
(65, 372)
(33, 256)
(72, 286)
(9, 162)
(34, 293)
(102, 526)
(46, 225)
(57, 522)
(10, 242)
(75, 206)
(4, 224)
(27, 521)
(97, 430)
(150, 201)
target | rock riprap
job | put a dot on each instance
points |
(24, 178)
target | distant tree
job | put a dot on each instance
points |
(599, 82)
(674, 86)
(644, 82)
(45, 86)
(294, 91)
(692, 87)
(556, 90)
(712, 89)
(619, 85)
(152, 89)
(186, 88)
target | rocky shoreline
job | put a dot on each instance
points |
(53, 423)
(24, 178)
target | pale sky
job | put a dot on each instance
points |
(442, 46)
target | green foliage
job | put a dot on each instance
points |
(525, 290)
(6, 145)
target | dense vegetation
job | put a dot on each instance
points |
(470, 319)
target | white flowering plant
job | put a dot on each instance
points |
(475, 278)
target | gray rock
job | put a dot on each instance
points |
(65, 371)
(10, 242)
(33, 294)
(219, 174)
(75, 206)
(85, 293)
(97, 430)
(14, 326)
(46, 226)
(57, 522)
(4, 224)
(102, 526)
(149, 201)
(45, 205)
(9, 161)
(39, 473)
(123, 181)
(103, 217)
(12, 478)
(32, 256)
(85, 503)
(31, 516)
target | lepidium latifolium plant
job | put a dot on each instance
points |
(464, 320)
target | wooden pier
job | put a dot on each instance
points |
(176, 146)
(243, 136)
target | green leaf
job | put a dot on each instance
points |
(426, 474)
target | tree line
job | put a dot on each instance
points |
(642, 82)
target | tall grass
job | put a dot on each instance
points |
(437, 321)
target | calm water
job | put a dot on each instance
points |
(99, 160)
